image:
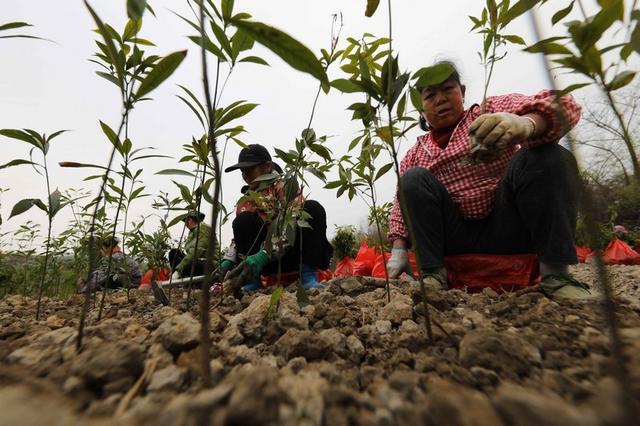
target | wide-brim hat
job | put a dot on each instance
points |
(250, 156)
(194, 214)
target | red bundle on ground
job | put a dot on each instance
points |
(162, 275)
(505, 272)
(583, 252)
(619, 253)
(364, 261)
(344, 268)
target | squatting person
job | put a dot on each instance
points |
(517, 194)
(256, 209)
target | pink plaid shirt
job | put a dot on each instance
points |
(473, 186)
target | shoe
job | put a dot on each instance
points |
(565, 286)
(436, 280)
(309, 278)
(253, 285)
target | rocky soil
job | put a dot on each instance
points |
(348, 358)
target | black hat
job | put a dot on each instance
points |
(250, 156)
(194, 215)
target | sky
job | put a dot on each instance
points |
(51, 86)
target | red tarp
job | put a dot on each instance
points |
(162, 275)
(472, 271)
(620, 253)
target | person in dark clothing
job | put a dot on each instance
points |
(255, 210)
(117, 271)
(516, 194)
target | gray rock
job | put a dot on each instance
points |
(170, 378)
(456, 405)
(526, 407)
(304, 343)
(498, 351)
(178, 333)
(356, 349)
(109, 361)
(383, 326)
(398, 310)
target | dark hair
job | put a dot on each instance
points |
(109, 242)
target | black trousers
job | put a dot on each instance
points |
(535, 211)
(176, 256)
(311, 246)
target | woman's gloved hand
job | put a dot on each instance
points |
(398, 262)
(499, 129)
(248, 269)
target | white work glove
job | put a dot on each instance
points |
(398, 262)
(499, 129)
(175, 275)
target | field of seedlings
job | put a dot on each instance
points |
(154, 319)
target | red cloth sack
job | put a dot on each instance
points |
(344, 268)
(619, 253)
(378, 267)
(506, 272)
(583, 252)
(364, 261)
(323, 275)
(163, 275)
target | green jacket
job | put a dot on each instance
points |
(190, 248)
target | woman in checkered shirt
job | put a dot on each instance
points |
(490, 179)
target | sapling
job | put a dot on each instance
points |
(490, 25)
(584, 35)
(53, 205)
(135, 75)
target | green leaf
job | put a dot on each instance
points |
(221, 37)
(621, 80)
(112, 53)
(234, 113)
(178, 172)
(548, 48)
(561, 14)
(227, 9)
(372, 5)
(573, 87)
(111, 135)
(289, 49)
(12, 25)
(382, 171)
(109, 77)
(131, 29)
(22, 206)
(54, 202)
(435, 74)
(16, 163)
(516, 10)
(209, 46)
(515, 39)
(347, 86)
(160, 72)
(135, 8)
(22, 136)
(240, 42)
(255, 59)
(274, 301)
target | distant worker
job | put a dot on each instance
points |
(491, 180)
(262, 200)
(123, 272)
(193, 257)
